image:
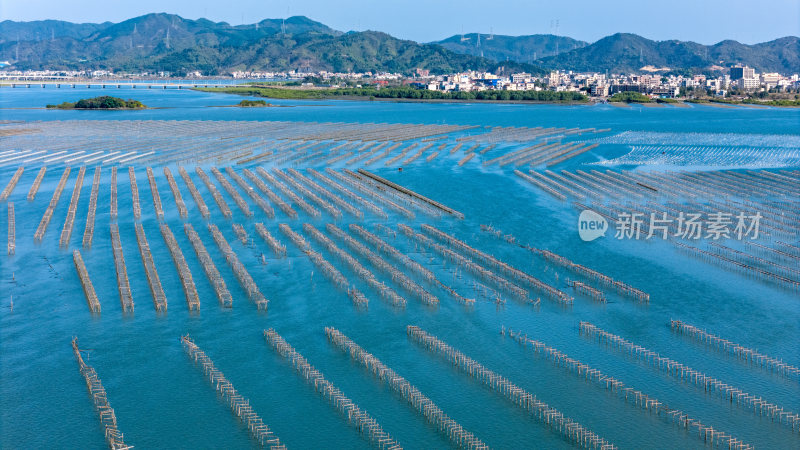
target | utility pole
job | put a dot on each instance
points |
(556, 36)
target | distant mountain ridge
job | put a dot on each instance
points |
(166, 42)
(39, 30)
(624, 52)
(514, 48)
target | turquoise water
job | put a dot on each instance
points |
(163, 401)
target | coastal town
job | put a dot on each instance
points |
(736, 80)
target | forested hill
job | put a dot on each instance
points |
(164, 42)
(623, 53)
(525, 49)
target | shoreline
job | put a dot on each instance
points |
(396, 100)
(92, 109)
(456, 101)
(250, 107)
(355, 98)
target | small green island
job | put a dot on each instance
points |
(636, 97)
(254, 104)
(103, 102)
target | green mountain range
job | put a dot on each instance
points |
(624, 53)
(165, 42)
(512, 48)
(41, 30)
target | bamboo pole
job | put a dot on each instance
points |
(541, 411)
(185, 275)
(213, 275)
(159, 297)
(86, 282)
(88, 232)
(69, 222)
(356, 417)
(240, 406)
(48, 214)
(36, 183)
(123, 284)
(245, 280)
(627, 394)
(739, 351)
(137, 208)
(416, 399)
(108, 419)
(688, 375)
(12, 230)
(11, 184)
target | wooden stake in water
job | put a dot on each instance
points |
(558, 422)
(48, 214)
(88, 288)
(137, 208)
(108, 419)
(159, 297)
(124, 285)
(36, 184)
(189, 288)
(12, 233)
(240, 406)
(416, 399)
(688, 375)
(628, 394)
(66, 232)
(357, 417)
(88, 232)
(11, 184)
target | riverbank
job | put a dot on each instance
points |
(403, 94)
(747, 103)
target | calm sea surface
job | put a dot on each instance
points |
(162, 400)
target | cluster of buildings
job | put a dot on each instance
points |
(36, 75)
(742, 78)
(325, 75)
(598, 85)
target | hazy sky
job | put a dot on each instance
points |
(704, 21)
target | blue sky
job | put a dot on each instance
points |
(704, 21)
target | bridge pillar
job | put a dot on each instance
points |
(103, 85)
(150, 87)
(164, 87)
